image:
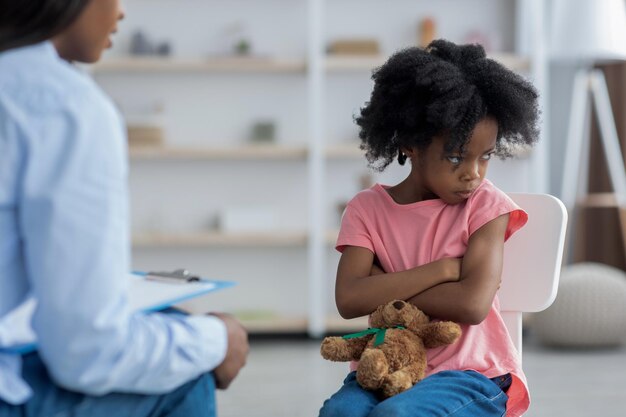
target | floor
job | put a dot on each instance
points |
(288, 378)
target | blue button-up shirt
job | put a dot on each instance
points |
(64, 240)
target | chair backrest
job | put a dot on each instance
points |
(532, 261)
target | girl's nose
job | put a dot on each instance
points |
(472, 171)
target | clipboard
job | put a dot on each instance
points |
(147, 292)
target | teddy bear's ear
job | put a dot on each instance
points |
(376, 318)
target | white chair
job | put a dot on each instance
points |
(532, 261)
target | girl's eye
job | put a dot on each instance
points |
(487, 157)
(455, 160)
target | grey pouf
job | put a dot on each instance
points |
(589, 310)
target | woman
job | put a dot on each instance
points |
(64, 238)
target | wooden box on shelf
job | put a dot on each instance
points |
(144, 135)
(354, 47)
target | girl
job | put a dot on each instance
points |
(64, 239)
(436, 239)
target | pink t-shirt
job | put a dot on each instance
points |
(404, 236)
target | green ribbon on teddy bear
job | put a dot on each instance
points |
(379, 332)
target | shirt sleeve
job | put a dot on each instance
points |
(489, 203)
(353, 231)
(74, 224)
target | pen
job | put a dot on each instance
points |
(178, 276)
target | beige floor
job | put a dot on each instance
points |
(288, 378)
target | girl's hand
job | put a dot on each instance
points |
(450, 268)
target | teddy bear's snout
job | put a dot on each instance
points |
(399, 305)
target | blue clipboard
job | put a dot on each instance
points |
(148, 292)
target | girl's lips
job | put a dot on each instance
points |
(464, 194)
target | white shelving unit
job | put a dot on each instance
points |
(285, 274)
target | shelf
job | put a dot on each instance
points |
(248, 152)
(281, 324)
(262, 65)
(255, 321)
(368, 63)
(275, 325)
(178, 65)
(248, 239)
(268, 239)
(352, 151)
(331, 237)
(340, 325)
(600, 200)
(345, 151)
(272, 322)
(353, 63)
(512, 61)
(231, 153)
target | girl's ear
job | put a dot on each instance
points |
(410, 153)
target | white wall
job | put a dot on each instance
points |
(561, 82)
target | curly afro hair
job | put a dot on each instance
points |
(445, 89)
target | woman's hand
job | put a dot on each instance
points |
(236, 354)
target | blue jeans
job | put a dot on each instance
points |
(447, 393)
(193, 399)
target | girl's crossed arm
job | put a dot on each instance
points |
(469, 299)
(358, 292)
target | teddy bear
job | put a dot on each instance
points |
(392, 353)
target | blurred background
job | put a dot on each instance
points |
(243, 154)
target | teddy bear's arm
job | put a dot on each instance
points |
(440, 334)
(343, 350)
